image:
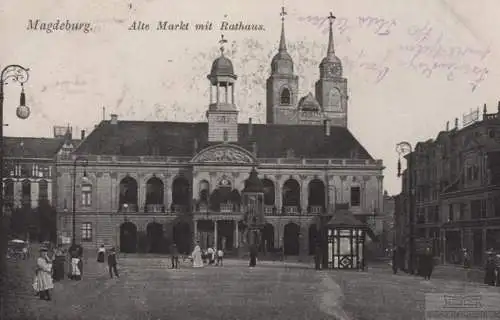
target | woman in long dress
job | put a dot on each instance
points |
(43, 276)
(196, 255)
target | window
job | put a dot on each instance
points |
(87, 231)
(86, 195)
(484, 210)
(225, 135)
(43, 190)
(285, 97)
(355, 196)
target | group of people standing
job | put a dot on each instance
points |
(210, 256)
(425, 262)
(492, 269)
(112, 261)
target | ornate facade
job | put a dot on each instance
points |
(172, 182)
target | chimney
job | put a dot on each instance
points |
(327, 127)
(250, 128)
(447, 126)
(114, 118)
(456, 123)
(254, 148)
(485, 111)
(82, 134)
(498, 106)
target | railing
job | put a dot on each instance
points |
(269, 210)
(226, 207)
(270, 161)
(154, 208)
(315, 209)
(290, 210)
(128, 207)
(179, 208)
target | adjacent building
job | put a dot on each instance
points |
(29, 173)
(457, 193)
(162, 182)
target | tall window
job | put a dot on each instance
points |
(87, 231)
(225, 135)
(86, 195)
(43, 190)
(285, 97)
(355, 196)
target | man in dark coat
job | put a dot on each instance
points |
(426, 264)
(395, 258)
(112, 263)
(175, 257)
(489, 269)
(317, 256)
(253, 256)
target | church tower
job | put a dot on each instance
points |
(222, 113)
(282, 85)
(331, 88)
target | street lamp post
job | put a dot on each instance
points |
(84, 162)
(20, 75)
(405, 149)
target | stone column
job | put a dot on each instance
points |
(304, 199)
(236, 241)
(167, 192)
(34, 194)
(278, 197)
(211, 94)
(342, 186)
(232, 93)
(49, 193)
(226, 91)
(331, 196)
(215, 233)
(218, 92)
(141, 199)
(115, 192)
(277, 235)
(18, 191)
(195, 231)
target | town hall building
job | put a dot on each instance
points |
(160, 183)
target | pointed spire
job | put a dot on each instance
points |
(331, 47)
(282, 38)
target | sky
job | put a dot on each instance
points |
(412, 66)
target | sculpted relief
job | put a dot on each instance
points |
(224, 155)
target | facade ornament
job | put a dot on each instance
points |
(343, 178)
(113, 175)
(99, 174)
(212, 174)
(303, 177)
(366, 178)
(380, 178)
(235, 174)
(354, 179)
(223, 154)
(278, 177)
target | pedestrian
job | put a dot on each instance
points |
(497, 265)
(220, 255)
(59, 263)
(100, 254)
(43, 275)
(466, 258)
(395, 260)
(317, 256)
(253, 256)
(175, 257)
(489, 268)
(210, 252)
(427, 264)
(112, 263)
(76, 266)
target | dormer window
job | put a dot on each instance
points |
(285, 97)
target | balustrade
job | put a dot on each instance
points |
(128, 207)
(315, 209)
(290, 210)
(268, 210)
(154, 208)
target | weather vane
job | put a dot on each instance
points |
(222, 41)
(331, 17)
(283, 13)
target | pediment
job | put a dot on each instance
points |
(224, 154)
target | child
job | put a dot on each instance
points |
(112, 263)
(220, 254)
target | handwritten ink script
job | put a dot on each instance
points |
(424, 50)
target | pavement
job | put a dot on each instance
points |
(149, 289)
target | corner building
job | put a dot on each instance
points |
(151, 184)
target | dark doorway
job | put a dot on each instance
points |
(182, 237)
(128, 237)
(225, 234)
(313, 239)
(291, 239)
(155, 237)
(267, 241)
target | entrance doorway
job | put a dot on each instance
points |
(291, 239)
(155, 237)
(182, 237)
(267, 241)
(128, 237)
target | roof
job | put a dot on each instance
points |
(29, 147)
(222, 66)
(253, 183)
(344, 218)
(142, 138)
(309, 102)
